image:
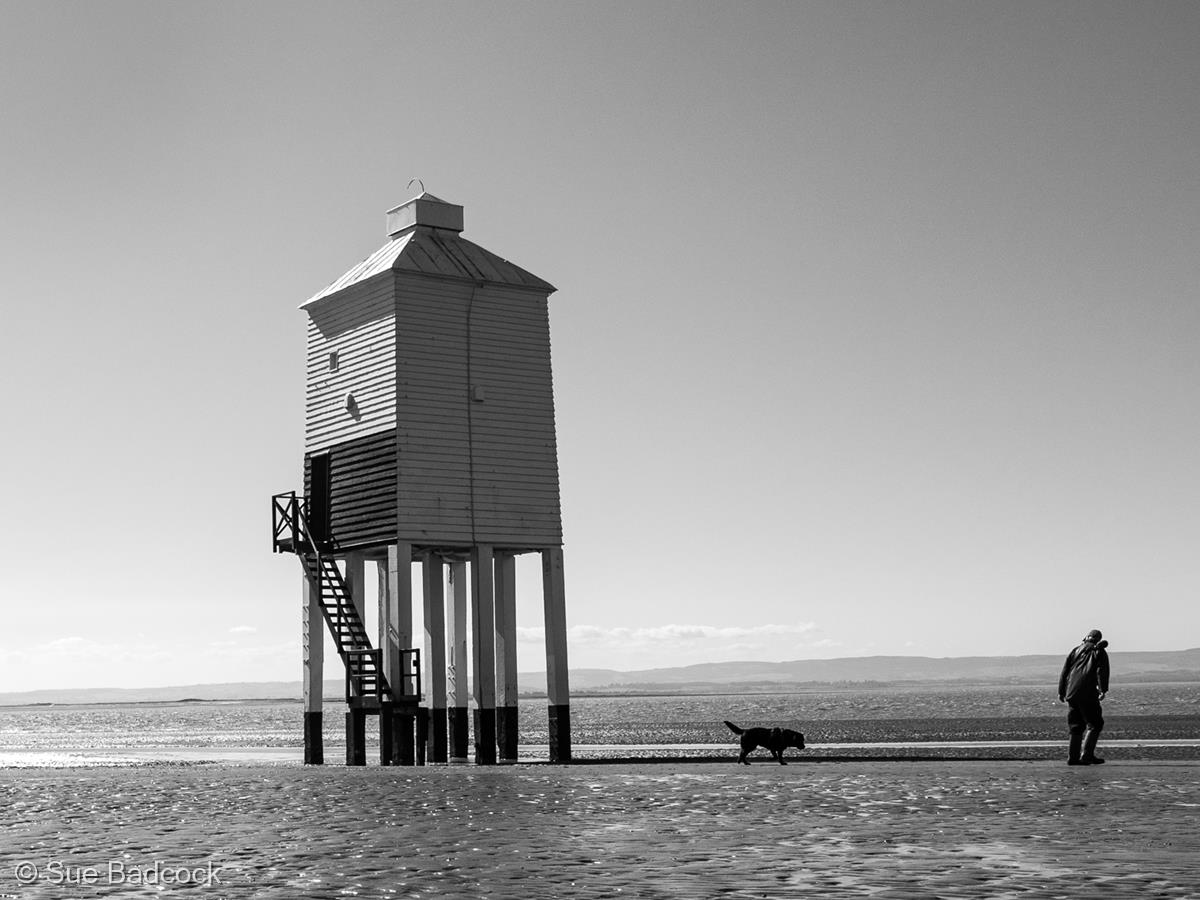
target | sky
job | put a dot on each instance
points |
(876, 327)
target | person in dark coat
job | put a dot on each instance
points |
(1082, 685)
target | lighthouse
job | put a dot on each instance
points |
(429, 440)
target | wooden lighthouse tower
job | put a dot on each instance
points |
(429, 438)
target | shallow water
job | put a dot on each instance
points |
(832, 721)
(187, 787)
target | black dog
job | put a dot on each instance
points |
(774, 739)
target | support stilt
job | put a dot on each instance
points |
(356, 587)
(312, 631)
(558, 689)
(388, 639)
(422, 734)
(456, 665)
(433, 596)
(403, 743)
(398, 631)
(458, 729)
(387, 748)
(483, 639)
(356, 737)
(439, 724)
(506, 655)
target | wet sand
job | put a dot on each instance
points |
(845, 828)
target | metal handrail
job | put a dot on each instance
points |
(288, 513)
(414, 675)
(359, 654)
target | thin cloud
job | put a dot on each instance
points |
(75, 649)
(243, 629)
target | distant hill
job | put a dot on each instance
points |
(1167, 665)
(235, 690)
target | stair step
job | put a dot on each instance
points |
(363, 666)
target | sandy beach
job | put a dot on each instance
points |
(674, 829)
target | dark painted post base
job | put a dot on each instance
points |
(387, 746)
(356, 737)
(560, 733)
(314, 750)
(403, 721)
(485, 737)
(506, 732)
(422, 734)
(437, 735)
(460, 738)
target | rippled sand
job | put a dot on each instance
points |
(656, 830)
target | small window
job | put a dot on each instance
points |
(334, 361)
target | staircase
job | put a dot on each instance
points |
(366, 683)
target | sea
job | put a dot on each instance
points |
(154, 799)
(1146, 721)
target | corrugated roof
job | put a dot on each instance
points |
(380, 261)
(436, 251)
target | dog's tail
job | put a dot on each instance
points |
(733, 727)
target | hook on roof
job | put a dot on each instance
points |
(418, 181)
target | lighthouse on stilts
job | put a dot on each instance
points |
(430, 439)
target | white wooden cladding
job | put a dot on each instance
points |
(360, 325)
(475, 470)
(472, 409)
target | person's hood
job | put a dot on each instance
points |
(1089, 644)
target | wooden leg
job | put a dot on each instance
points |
(459, 729)
(405, 720)
(433, 572)
(558, 689)
(483, 633)
(314, 751)
(356, 737)
(312, 641)
(456, 664)
(506, 655)
(422, 734)
(398, 629)
(387, 752)
(438, 747)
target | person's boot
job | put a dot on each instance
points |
(1089, 757)
(1073, 748)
